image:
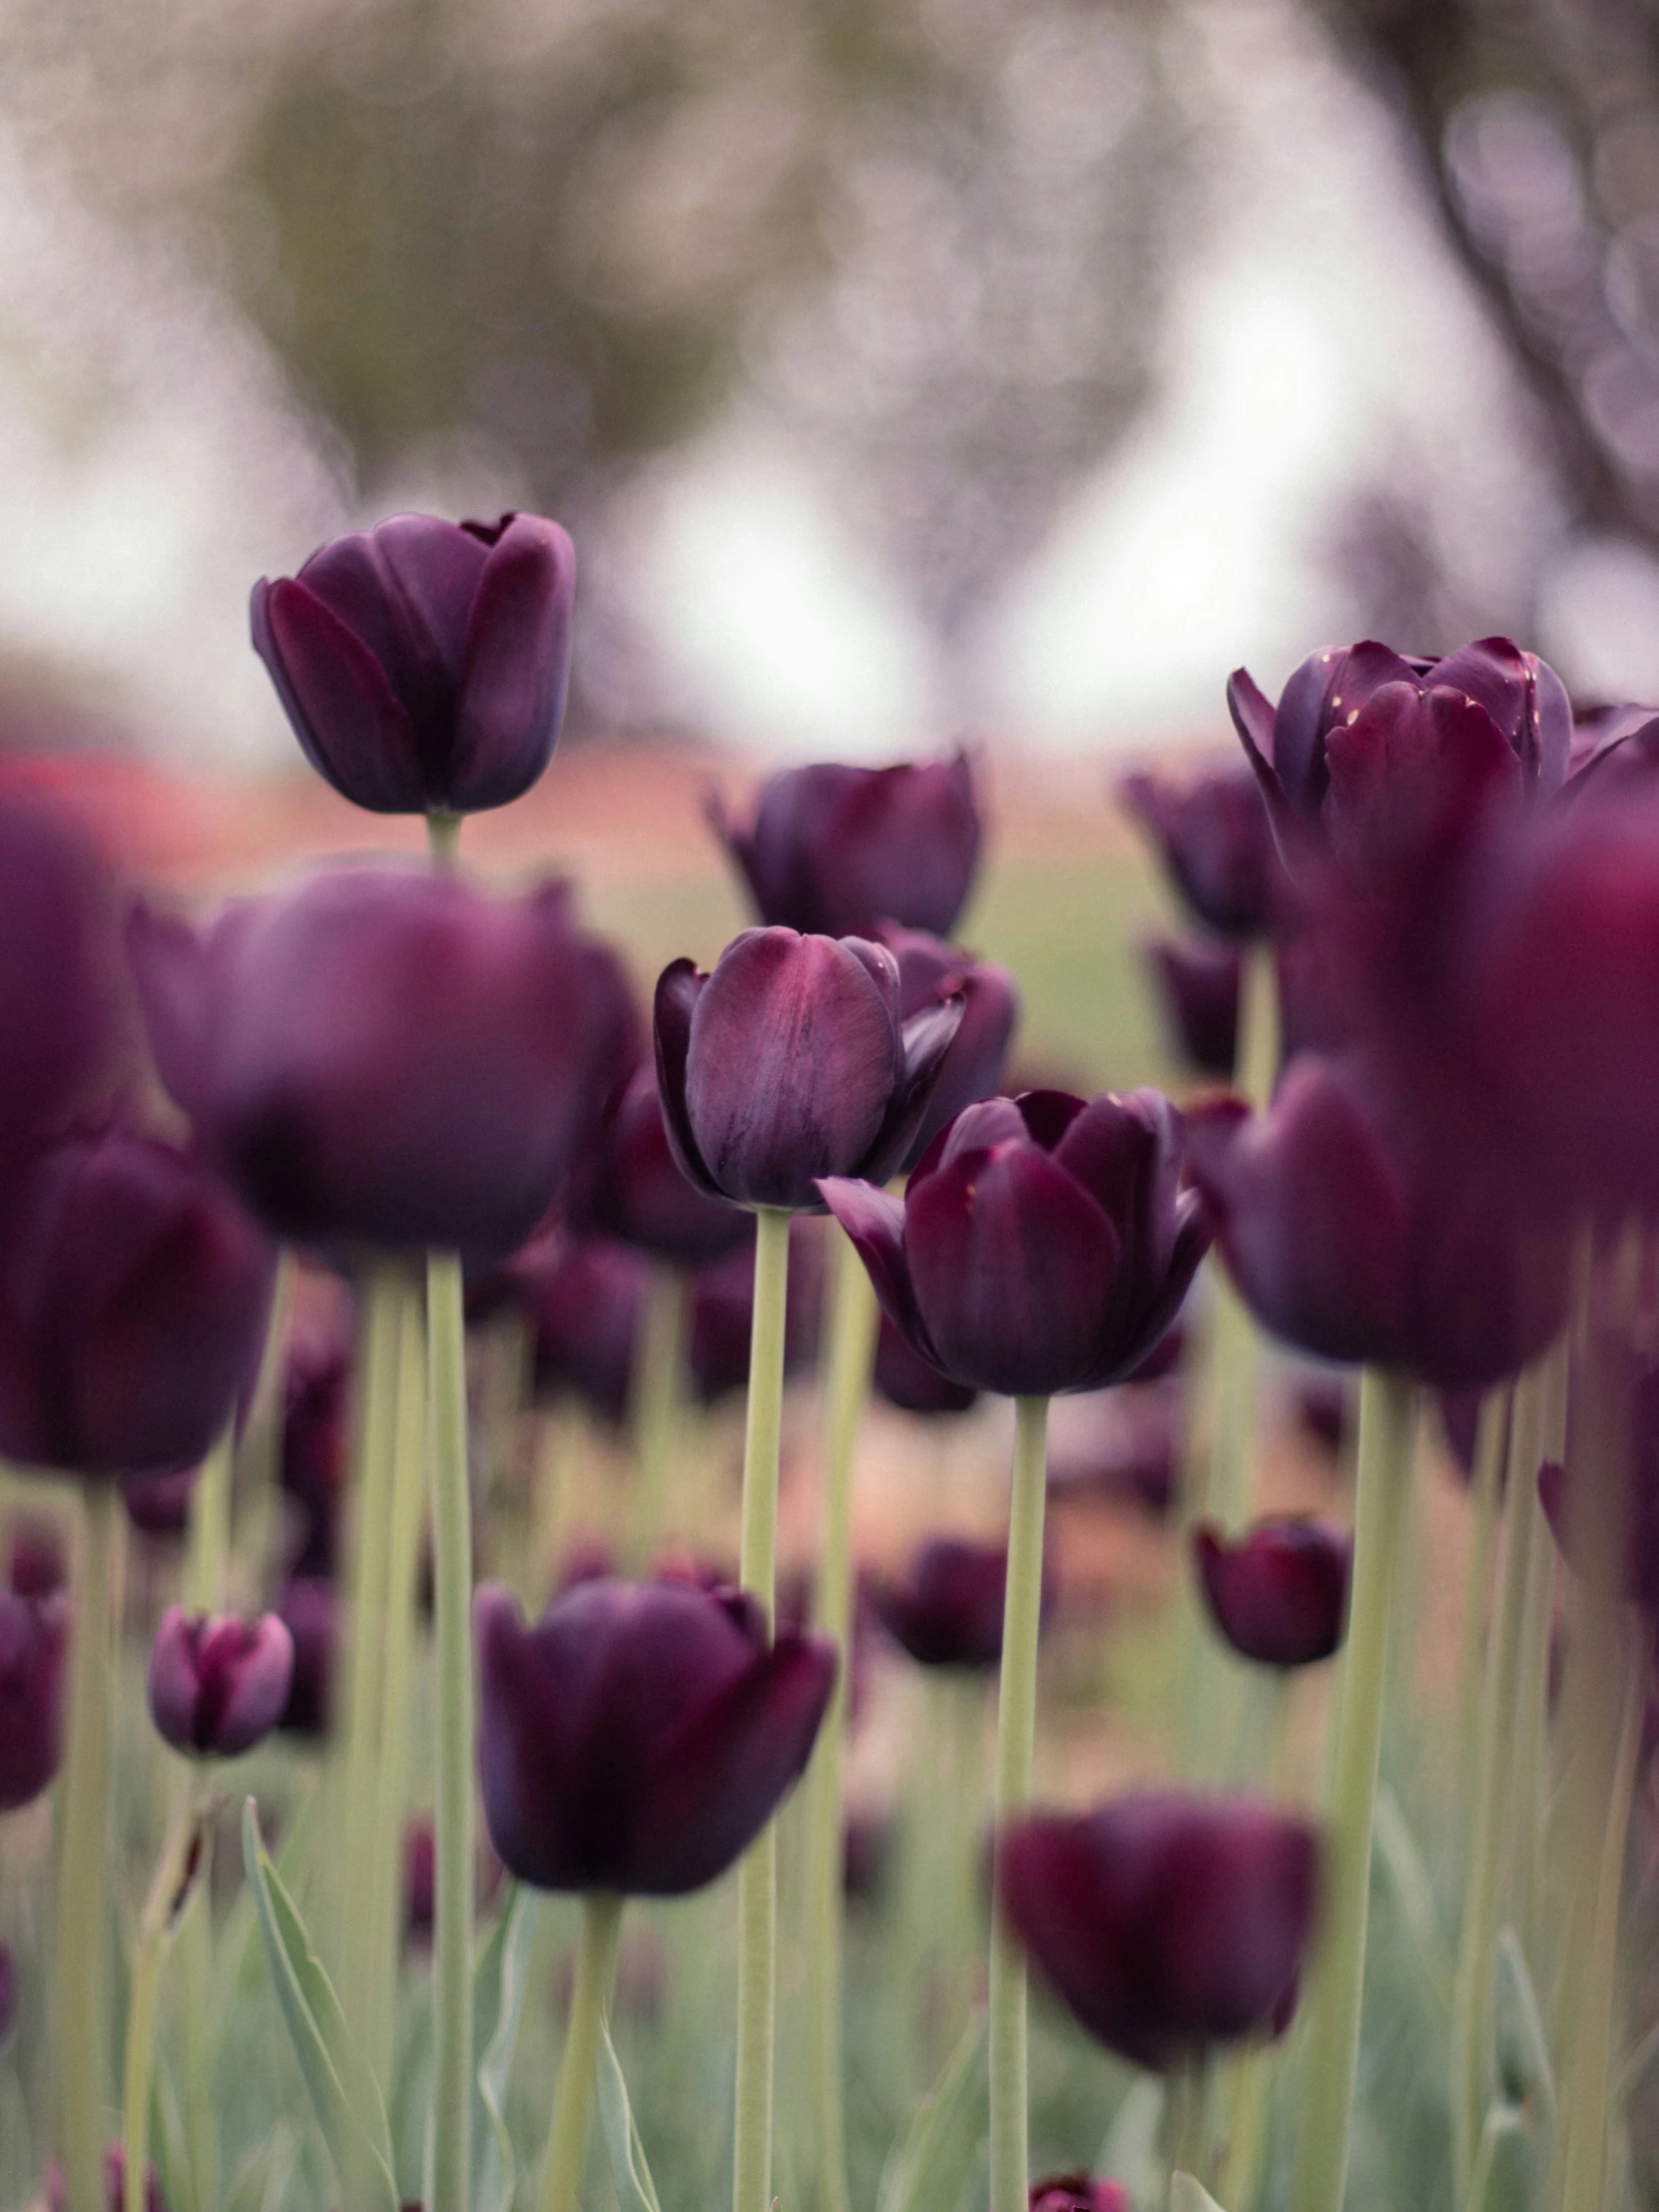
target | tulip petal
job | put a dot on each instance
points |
(1252, 718)
(875, 1220)
(679, 987)
(927, 1038)
(171, 969)
(350, 724)
(1408, 772)
(518, 666)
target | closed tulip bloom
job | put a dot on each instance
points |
(835, 850)
(905, 1380)
(424, 664)
(641, 1735)
(317, 1395)
(158, 1505)
(1168, 1924)
(1043, 1245)
(631, 1186)
(1078, 2193)
(791, 1061)
(134, 1292)
(1213, 837)
(387, 1058)
(722, 1312)
(33, 1641)
(36, 1562)
(310, 1611)
(1198, 989)
(929, 971)
(217, 1684)
(587, 1299)
(1278, 1596)
(947, 1611)
(1354, 1244)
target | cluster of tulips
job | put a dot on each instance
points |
(1431, 912)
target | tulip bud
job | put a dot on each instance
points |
(36, 1563)
(1078, 2192)
(1215, 839)
(930, 971)
(34, 1639)
(158, 1505)
(630, 1186)
(721, 1312)
(424, 665)
(308, 1609)
(640, 1736)
(217, 1686)
(1280, 1594)
(833, 851)
(1199, 986)
(948, 1611)
(1041, 1246)
(1167, 1923)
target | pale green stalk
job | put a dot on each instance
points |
(567, 2137)
(1330, 2039)
(757, 1870)
(155, 1925)
(658, 1363)
(1016, 1731)
(1491, 1442)
(444, 840)
(207, 1557)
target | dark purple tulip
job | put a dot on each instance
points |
(387, 1057)
(1613, 1370)
(790, 1062)
(905, 1380)
(218, 1685)
(1355, 1245)
(158, 1505)
(420, 1866)
(424, 664)
(1198, 987)
(722, 1312)
(1121, 1443)
(586, 1305)
(1078, 2193)
(1215, 839)
(1167, 1923)
(317, 1408)
(8, 1996)
(947, 1611)
(1278, 1596)
(308, 1610)
(641, 1735)
(931, 970)
(33, 1641)
(630, 1185)
(134, 1292)
(36, 1562)
(833, 851)
(1043, 1245)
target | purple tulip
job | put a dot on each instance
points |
(8, 1995)
(1043, 1245)
(931, 970)
(1078, 2192)
(1167, 1923)
(115, 2183)
(218, 1685)
(947, 1611)
(721, 1312)
(790, 1062)
(641, 1735)
(34, 1640)
(1198, 987)
(424, 664)
(387, 1058)
(134, 1292)
(587, 1301)
(905, 1380)
(1278, 1596)
(158, 1505)
(36, 1562)
(308, 1609)
(1354, 1244)
(1215, 839)
(1611, 1372)
(631, 1186)
(316, 1408)
(835, 850)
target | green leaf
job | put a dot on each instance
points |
(1525, 2074)
(1509, 2166)
(342, 2088)
(630, 2175)
(1188, 2195)
(263, 2177)
(1402, 1864)
(498, 1984)
(927, 2171)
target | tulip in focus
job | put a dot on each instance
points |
(1279, 1594)
(217, 1686)
(33, 1641)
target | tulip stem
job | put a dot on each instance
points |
(456, 1728)
(443, 839)
(1016, 1729)
(83, 1913)
(1388, 1424)
(849, 1359)
(656, 1394)
(208, 1562)
(155, 1925)
(757, 1870)
(1491, 1441)
(567, 2137)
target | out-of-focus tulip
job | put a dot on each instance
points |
(134, 1292)
(36, 1562)
(630, 1185)
(158, 1505)
(1198, 987)
(1122, 1443)
(8, 1995)
(1280, 1593)
(1614, 1370)
(1043, 1245)
(947, 1611)
(721, 1312)
(866, 1846)
(641, 1735)
(421, 1864)
(929, 970)
(424, 664)
(905, 1380)
(1078, 2193)
(1356, 1245)
(790, 1062)
(388, 1057)
(218, 1685)
(837, 849)
(1167, 1923)
(586, 1303)
(115, 2183)
(308, 1610)
(34, 1640)
(316, 1408)
(1215, 839)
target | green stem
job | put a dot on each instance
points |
(156, 1925)
(1017, 1730)
(1471, 2015)
(758, 1871)
(656, 1394)
(444, 840)
(849, 1362)
(1491, 1441)
(567, 2137)
(452, 1552)
(208, 1560)
(83, 1909)
(1387, 1420)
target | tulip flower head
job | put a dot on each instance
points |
(929, 970)
(219, 1685)
(1278, 1596)
(158, 1505)
(947, 1611)
(36, 1562)
(905, 1380)
(587, 1300)
(424, 664)
(33, 1641)
(1168, 1924)
(317, 1389)
(1043, 1245)
(1215, 839)
(308, 1610)
(630, 1185)
(791, 1061)
(640, 1735)
(835, 850)
(1078, 2193)
(1199, 986)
